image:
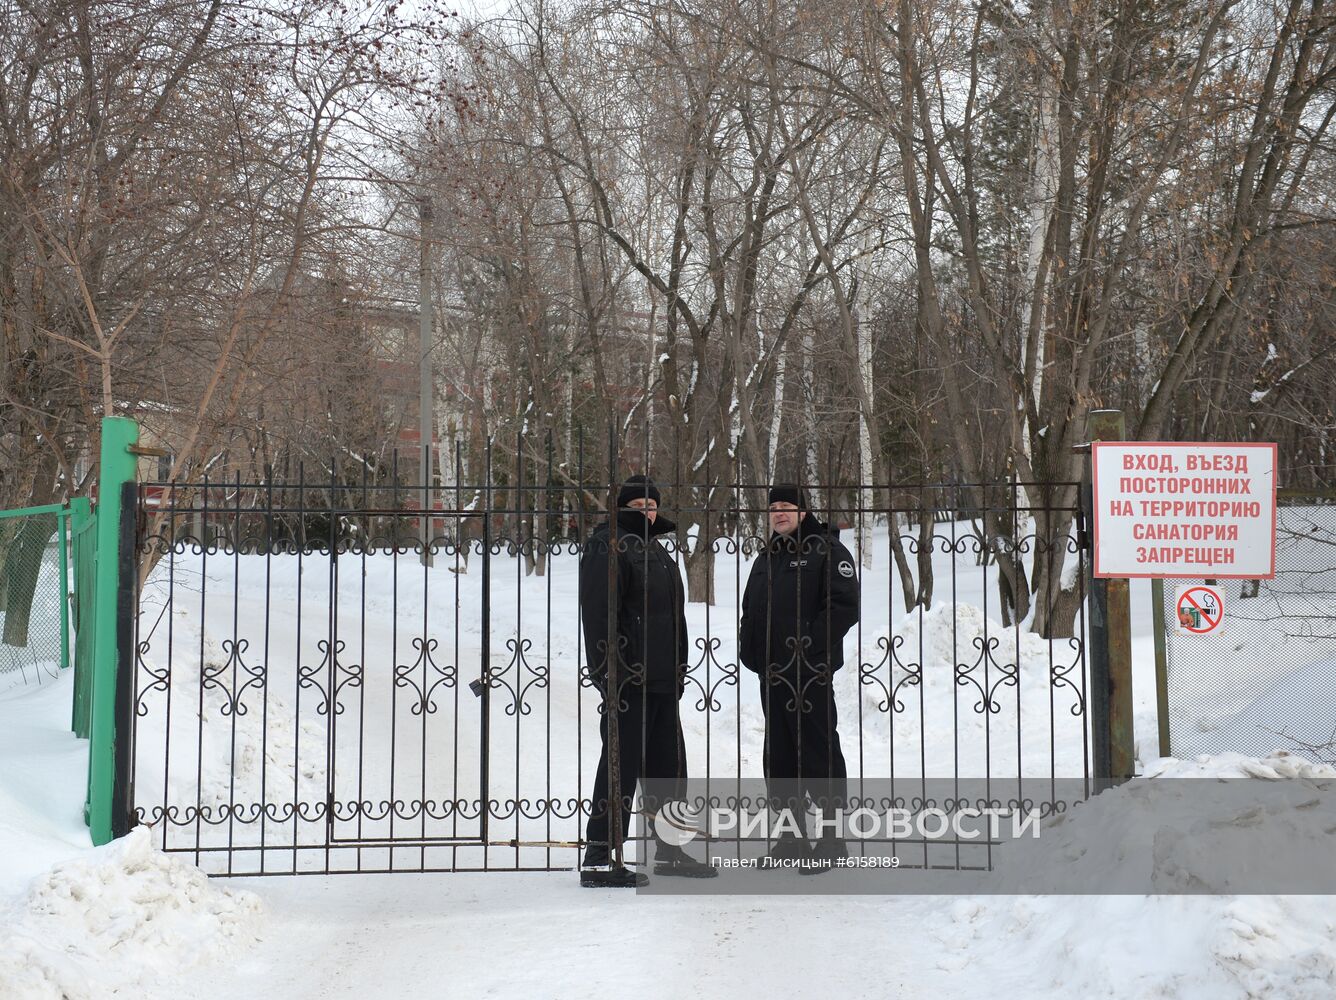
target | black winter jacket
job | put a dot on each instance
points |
(801, 598)
(651, 605)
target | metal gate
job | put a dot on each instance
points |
(328, 680)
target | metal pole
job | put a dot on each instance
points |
(1099, 662)
(485, 690)
(63, 530)
(127, 607)
(612, 701)
(1161, 663)
(82, 540)
(425, 418)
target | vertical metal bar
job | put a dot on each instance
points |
(394, 642)
(63, 529)
(460, 544)
(234, 662)
(484, 808)
(83, 533)
(549, 543)
(612, 701)
(366, 674)
(522, 520)
(1101, 752)
(202, 520)
(1016, 625)
(582, 528)
(425, 394)
(297, 675)
(127, 623)
(171, 678)
(1159, 624)
(425, 655)
(264, 691)
(332, 657)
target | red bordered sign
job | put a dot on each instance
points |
(1200, 609)
(1184, 509)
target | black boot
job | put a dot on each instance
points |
(619, 877)
(828, 853)
(785, 851)
(598, 872)
(676, 862)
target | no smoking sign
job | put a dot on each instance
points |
(1199, 609)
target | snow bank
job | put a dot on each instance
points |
(115, 918)
(81, 923)
(1135, 946)
(974, 634)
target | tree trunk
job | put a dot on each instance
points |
(925, 541)
(700, 571)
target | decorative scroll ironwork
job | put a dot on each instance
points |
(324, 682)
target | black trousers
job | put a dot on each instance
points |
(802, 758)
(650, 746)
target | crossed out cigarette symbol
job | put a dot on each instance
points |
(1199, 616)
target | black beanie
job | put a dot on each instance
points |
(638, 488)
(788, 493)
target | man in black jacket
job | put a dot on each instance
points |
(800, 600)
(649, 619)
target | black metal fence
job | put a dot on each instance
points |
(324, 683)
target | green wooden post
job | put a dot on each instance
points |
(82, 530)
(117, 468)
(63, 530)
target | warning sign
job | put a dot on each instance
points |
(1200, 609)
(1182, 509)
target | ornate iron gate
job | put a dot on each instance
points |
(317, 690)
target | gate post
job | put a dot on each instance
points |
(106, 787)
(612, 699)
(1161, 662)
(1112, 734)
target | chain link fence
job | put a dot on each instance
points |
(33, 621)
(1265, 677)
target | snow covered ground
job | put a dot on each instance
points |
(127, 921)
(75, 922)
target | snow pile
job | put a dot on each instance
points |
(930, 638)
(1138, 947)
(1235, 946)
(115, 917)
(1177, 834)
(1274, 767)
(81, 923)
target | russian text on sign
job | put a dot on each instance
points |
(1215, 502)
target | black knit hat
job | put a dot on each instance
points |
(788, 493)
(638, 488)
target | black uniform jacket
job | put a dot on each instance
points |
(651, 605)
(801, 598)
